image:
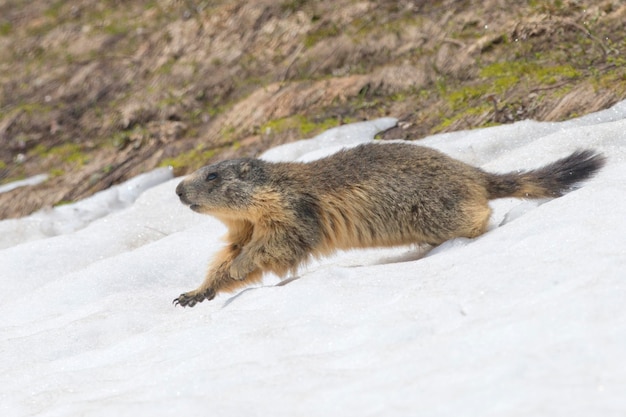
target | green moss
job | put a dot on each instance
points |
(227, 133)
(468, 113)
(3, 165)
(548, 6)
(552, 75)
(372, 25)
(441, 86)
(170, 100)
(31, 108)
(134, 136)
(120, 139)
(507, 68)
(504, 75)
(300, 124)
(115, 27)
(323, 32)
(166, 68)
(613, 80)
(54, 11)
(293, 5)
(56, 172)
(70, 153)
(5, 28)
(504, 78)
(309, 127)
(39, 150)
(194, 158)
(399, 97)
(617, 60)
(459, 99)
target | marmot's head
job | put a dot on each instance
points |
(223, 187)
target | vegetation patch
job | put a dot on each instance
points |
(457, 120)
(298, 124)
(194, 159)
(458, 99)
(5, 28)
(324, 32)
(67, 153)
(506, 74)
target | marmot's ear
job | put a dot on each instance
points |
(244, 169)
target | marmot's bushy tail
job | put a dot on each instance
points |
(552, 180)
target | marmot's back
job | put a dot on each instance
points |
(392, 194)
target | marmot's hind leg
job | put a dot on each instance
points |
(477, 215)
(470, 221)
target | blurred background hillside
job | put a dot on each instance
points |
(95, 92)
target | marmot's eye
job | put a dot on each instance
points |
(211, 176)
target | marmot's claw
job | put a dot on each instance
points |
(190, 299)
(185, 301)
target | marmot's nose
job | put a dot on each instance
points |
(179, 190)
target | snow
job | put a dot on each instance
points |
(71, 217)
(34, 180)
(528, 319)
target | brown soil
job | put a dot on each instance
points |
(94, 92)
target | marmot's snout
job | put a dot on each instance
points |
(180, 192)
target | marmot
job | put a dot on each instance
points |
(281, 214)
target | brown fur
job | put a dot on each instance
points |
(281, 214)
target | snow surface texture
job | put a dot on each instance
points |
(526, 320)
(71, 217)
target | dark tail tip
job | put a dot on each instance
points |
(579, 166)
(560, 176)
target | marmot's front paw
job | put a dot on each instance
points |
(191, 298)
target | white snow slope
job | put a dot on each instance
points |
(526, 320)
